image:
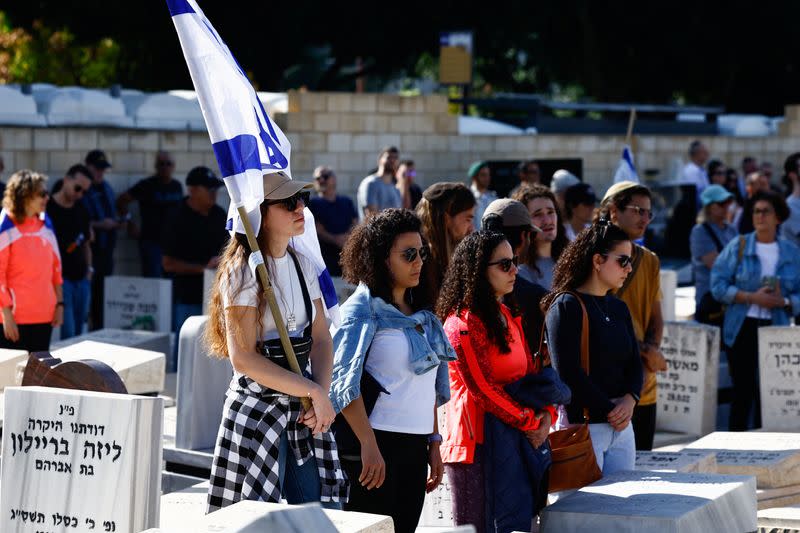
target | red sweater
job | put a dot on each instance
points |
(30, 267)
(477, 378)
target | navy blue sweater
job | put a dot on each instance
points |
(615, 367)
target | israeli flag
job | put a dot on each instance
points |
(246, 142)
(626, 170)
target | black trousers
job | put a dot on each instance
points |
(32, 338)
(403, 492)
(103, 262)
(743, 367)
(644, 426)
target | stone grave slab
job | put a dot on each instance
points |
(142, 371)
(202, 383)
(778, 497)
(657, 502)
(687, 390)
(9, 359)
(154, 341)
(137, 303)
(779, 368)
(686, 461)
(669, 284)
(783, 519)
(80, 461)
(437, 511)
(774, 458)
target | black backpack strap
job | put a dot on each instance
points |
(306, 297)
(713, 236)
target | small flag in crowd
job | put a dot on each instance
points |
(626, 171)
(246, 142)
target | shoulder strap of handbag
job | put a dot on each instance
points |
(740, 253)
(584, 339)
(713, 236)
(637, 259)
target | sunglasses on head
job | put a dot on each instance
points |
(622, 260)
(410, 254)
(291, 202)
(505, 263)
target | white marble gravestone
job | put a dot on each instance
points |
(137, 303)
(783, 519)
(202, 383)
(669, 284)
(78, 461)
(154, 341)
(687, 390)
(686, 461)
(774, 458)
(9, 359)
(437, 510)
(779, 368)
(657, 502)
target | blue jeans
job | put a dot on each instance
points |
(299, 483)
(180, 312)
(614, 450)
(77, 295)
(150, 255)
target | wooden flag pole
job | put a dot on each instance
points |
(269, 292)
(631, 120)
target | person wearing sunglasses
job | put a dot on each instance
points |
(757, 277)
(334, 216)
(491, 353)
(192, 238)
(268, 447)
(628, 205)
(157, 196)
(447, 211)
(31, 295)
(597, 262)
(405, 178)
(389, 372)
(73, 233)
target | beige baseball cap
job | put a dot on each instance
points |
(278, 186)
(513, 213)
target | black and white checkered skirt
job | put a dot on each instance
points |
(245, 463)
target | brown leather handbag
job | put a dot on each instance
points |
(574, 463)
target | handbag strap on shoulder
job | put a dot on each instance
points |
(584, 339)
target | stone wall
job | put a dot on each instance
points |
(346, 131)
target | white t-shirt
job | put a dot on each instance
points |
(695, 175)
(282, 275)
(768, 257)
(409, 406)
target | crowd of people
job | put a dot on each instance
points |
(522, 316)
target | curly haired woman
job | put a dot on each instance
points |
(30, 266)
(596, 262)
(268, 447)
(390, 371)
(492, 353)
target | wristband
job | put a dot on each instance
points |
(434, 437)
(635, 397)
(59, 304)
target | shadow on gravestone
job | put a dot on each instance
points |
(47, 371)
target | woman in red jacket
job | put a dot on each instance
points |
(492, 353)
(30, 266)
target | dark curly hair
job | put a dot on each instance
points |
(466, 286)
(575, 265)
(364, 253)
(525, 194)
(777, 202)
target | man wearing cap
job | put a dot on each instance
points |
(562, 180)
(378, 191)
(193, 237)
(706, 241)
(334, 217)
(157, 195)
(481, 180)
(512, 219)
(99, 200)
(627, 204)
(579, 203)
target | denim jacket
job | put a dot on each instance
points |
(727, 278)
(363, 315)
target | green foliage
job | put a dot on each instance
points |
(45, 55)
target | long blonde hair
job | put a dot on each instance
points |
(22, 185)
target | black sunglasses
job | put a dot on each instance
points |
(410, 254)
(505, 263)
(290, 203)
(78, 189)
(622, 260)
